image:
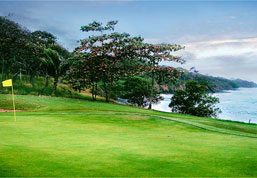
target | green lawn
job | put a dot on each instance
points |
(58, 137)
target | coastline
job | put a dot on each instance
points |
(237, 105)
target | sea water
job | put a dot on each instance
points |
(237, 105)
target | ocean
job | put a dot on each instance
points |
(237, 105)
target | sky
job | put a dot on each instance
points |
(220, 37)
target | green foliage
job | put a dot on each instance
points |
(44, 38)
(55, 63)
(245, 84)
(137, 90)
(23, 87)
(52, 61)
(194, 100)
(214, 84)
(84, 72)
(110, 57)
(105, 57)
(14, 42)
(97, 26)
(22, 52)
(152, 55)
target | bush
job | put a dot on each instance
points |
(137, 91)
(194, 100)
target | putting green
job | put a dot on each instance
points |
(66, 138)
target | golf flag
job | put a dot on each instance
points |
(8, 83)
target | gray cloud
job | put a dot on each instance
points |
(232, 58)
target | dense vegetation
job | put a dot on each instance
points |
(194, 100)
(109, 57)
(215, 84)
(24, 87)
(98, 63)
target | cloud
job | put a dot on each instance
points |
(232, 58)
(233, 47)
(153, 40)
(232, 17)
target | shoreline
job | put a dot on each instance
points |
(237, 105)
(225, 120)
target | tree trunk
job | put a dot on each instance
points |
(107, 97)
(151, 95)
(2, 76)
(2, 73)
(55, 85)
(46, 84)
(20, 75)
(27, 77)
(14, 77)
(95, 90)
(32, 80)
(47, 81)
(106, 93)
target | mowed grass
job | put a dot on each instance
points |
(58, 137)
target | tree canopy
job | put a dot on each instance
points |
(194, 100)
(102, 58)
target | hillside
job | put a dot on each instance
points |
(23, 86)
(215, 84)
(244, 83)
(58, 137)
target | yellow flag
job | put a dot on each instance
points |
(7, 83)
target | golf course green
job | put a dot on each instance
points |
(61, 137)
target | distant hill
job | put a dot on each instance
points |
(244, 83)
(215, 84)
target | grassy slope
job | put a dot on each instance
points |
(68, 137)
(24, 87)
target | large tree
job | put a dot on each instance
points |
(20, 49)
(113, 53)
(13, 40)
(153, 54)
(45, 40)
(84, 72)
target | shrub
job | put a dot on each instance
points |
(194, 100)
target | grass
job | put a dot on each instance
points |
(61, 137)
(24, 87)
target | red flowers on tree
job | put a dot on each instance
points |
(110, 56)
(107, 57)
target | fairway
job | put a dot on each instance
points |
(58, 137)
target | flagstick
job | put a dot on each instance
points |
(14, 112)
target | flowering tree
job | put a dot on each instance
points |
(153, 54)
(112, 55)
(97, 26)
(84, 72)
